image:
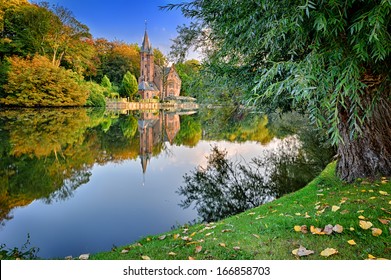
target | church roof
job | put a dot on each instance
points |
(143, 85)
(146, 46)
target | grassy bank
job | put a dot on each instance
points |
(274, 230)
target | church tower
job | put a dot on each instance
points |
(147, 70)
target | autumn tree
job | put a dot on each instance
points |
(116, 58)
(50, 31)
(37, 82)
(331, 58)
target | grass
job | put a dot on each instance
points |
(267, 232)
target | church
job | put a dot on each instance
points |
(154, 80)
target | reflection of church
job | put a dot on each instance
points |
(155, 128)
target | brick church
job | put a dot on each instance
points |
(155, 80)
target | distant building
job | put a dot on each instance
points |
(155, 80)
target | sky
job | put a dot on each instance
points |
(124, 20)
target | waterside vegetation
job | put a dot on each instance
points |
(352, 221)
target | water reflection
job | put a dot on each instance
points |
(47, 154)
(79, 170)
(226, 187)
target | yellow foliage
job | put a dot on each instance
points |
(365, 224)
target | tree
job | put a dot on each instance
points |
(106, 82)
(37, 82)
(329, 57)
(129, 86)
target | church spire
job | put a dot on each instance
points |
(146, 46)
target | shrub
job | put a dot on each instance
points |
(37, 82)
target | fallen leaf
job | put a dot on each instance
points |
(328, 229)
(194, 233)
(171, 254)
(297, 228)
(84, 257)
(365, 225)
(162, 237)
(351, 228)
(384, 221)
(256, 236)
(351, 242)
(236, 248)
(187, 238)
(328, 252)
(389, 202)
(360, 211)
(302, 251)
(146, 258)
(306, 215)
(373, 197)
(124, 251)
(343, 200)
(335, 208)
(376, 231)
(298, 214)
(343, 212)
(303, 229)
(210, 233)
(338, 228)
(191, 259)
(371, 257)
(148, 239)
(315, 230)
(198, 249)
(383, 193)
(226, 230)
(361, 217)
(176, 236)
(250, 214)
(222, 245)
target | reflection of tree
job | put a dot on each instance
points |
(223, 188)
(46, 154)
(190, 133)
(226, 187)
(235, 125)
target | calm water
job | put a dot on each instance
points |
(82, 181)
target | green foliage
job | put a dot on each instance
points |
(23, 253)
(96, 97)
(189, 72)
(36, 82)
(321, 56)
(105, 82)
(129, 86)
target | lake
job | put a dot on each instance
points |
(77, 181)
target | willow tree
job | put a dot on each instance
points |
(331, 57)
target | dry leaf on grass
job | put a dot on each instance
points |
(384, 221)
(162, 237)
(335, 208)
(146, 258)
(365, 224)
(198, 249)
(351, 242)
(338, 228)
(328, 252)
(328, 229)
(302, 251)
(376, 231)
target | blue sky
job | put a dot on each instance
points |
(124, 20)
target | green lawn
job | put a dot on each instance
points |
(268, 231)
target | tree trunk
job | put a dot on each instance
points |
(368, 155)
